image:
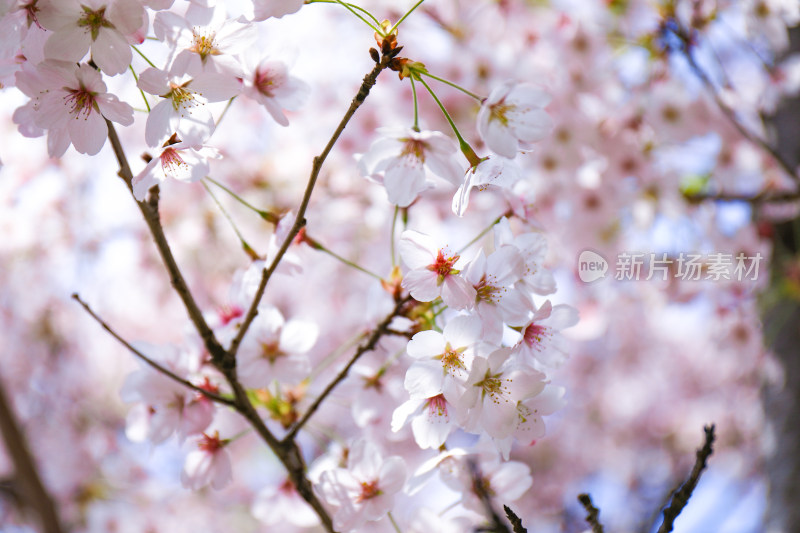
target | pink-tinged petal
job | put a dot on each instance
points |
(143, 181)
(404, 180)
(114, 110)
(434, 425)
(529, 97)
(153, 81)
(128, 16)
(476, 268)
(298, 336)
(426, 344)
(380, 150)
(264, 9)
(111, 52)
(274, 110)
(417, 249)
(534, 126)
(512, 480)
(56, 14)
(88, 134)
(392, 475)
(422, 285)
(516, 308)
(216, 87)
(57, 141)
(445, 167)
(563, 316)
(364, 460)
(293, 94)
(403, 411)
(157, 128)
(500, 139)
(461, 197)
(457, 292)
(68, 45)
(499, 418)
(506, 265)
(424, 379)
(463, 331)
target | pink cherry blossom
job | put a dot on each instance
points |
(366, 489)
(70, 102)
(182, 161)
(541, 342)
(209, 464)
(102, 26)
(433, 272)
(402, 159)
(281, 504)
(432, 420)
(490, 172)
(513, 116)
(268, 82)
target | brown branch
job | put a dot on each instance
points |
(592, 513)
(300, 221)
(480, 488)
(367, 346)
(149, 211)
(681, 497)
(33, 492)
(760, 198)
(516, 522)
(167, 372)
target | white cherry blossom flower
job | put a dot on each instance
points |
(490, 172)
(513, 116)
(542, 345)
(70, 102)
(209, 464)
(183, 109)
(281, 504)
(533, 247)
(497, 300)
(274, 349)
(442, 360)
(365, 490)
(182, 161)
(530, 425)
(403, 159)
(268, 82)
(433, 272)
(432, 420)
(102, 26)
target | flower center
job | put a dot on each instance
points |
(487, 292)
(204, 45)
(94, 20)
(443, 266)
(437, 405)
(210, 444)
(368, 490)
(81, 101)
(500, 112)
(414, 148)
(493, 386)
(182, 98)
(534, 335)
(271, 351)
(451, 360)
(264, 82)
(172, 163)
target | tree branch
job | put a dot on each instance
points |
(33, 492)
(368, 345)
(681, 497)
(149, 210)
(208, 394)
(300, 221)
(593, 513)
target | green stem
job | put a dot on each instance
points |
(396, 24)
(318, 246)
(352, 9)
(391, 239)
(394, 524)
(485, 231)
(266, 215)
(227, 106)
(135, 77)
(143, 56)
(416, 104)
(455, 86)
(466, 149)
(247, 248)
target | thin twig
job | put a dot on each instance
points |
(300, 221)
(367, 346)
(26, 474)
(516, 522)
(681, 496)
(760, 198)
(156, 366)
(149, 211)
(593, 513)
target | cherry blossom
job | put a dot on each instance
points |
(274, 349)
(183, 109)
(185, 161)
(431, 420)
(70, 102)
(268, 82)
(403, 158)
(209, 464)
(533, 247)
(490, 172)
(281, 504)
(541, 344)
(366, 489)
(102, 26)
(433, 272)
(513, 116)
